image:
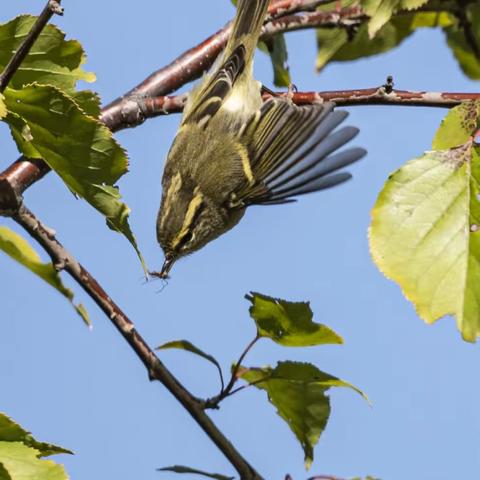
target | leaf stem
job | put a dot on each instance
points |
(52, 7)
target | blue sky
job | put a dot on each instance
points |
(86, 391)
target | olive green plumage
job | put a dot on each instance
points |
(232, 150)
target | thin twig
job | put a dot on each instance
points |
(156, 369)
(238, 364)
(227, 391)
(284, 7)
(52, 7)
(153, 107)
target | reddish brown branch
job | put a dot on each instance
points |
(154, 107)
(62, 259)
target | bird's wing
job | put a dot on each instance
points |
(290, 152)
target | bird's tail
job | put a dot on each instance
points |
(246, 26)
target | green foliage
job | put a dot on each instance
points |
(50, 120)
(16, 247)
(425, 232)
(298, 391)
(47, 123)
(456, 39)
(289, 323)
(20, 455)
(381, 11)
(335, 44)
(193, 471)
(11, 431)
(3, 107)
(190, 347)
(52, 59)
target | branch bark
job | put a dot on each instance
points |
(165, 105)
(62, 259)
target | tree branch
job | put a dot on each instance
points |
(52, 7)
(148, 98)
(165, 105)
(62, 259)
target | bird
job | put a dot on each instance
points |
(232, 150)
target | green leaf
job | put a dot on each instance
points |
(46, 123)
(298, 391)
(194, 471)
(3, 107)
(381, 11)
(16, 247)
(4, 474)
(425, 232)
(11, 431)
(88, 101)
(276, 47)
(458, 126)
(466, 57)
(289, 323)
(22, 463)
(189, 347)
(335, 45)
(52, 59)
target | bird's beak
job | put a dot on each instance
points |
(167, 265)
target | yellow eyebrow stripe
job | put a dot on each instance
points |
(247, 169)
(192, 209)
(173, 189)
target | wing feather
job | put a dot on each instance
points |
(291, 151)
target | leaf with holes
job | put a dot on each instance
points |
(289, 323)
(425, 229)
(298, 391)
(17, 248)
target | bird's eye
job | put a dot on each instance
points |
(187, 238)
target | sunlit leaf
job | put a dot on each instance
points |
(425, 230)
(381, 11)
(22, 463)
(46, 123)
(298, 391)
(3, 107)
(458, 126)
(289, 323)
(11, 431)
(16, 247)
(193, 471)
(52, 59)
